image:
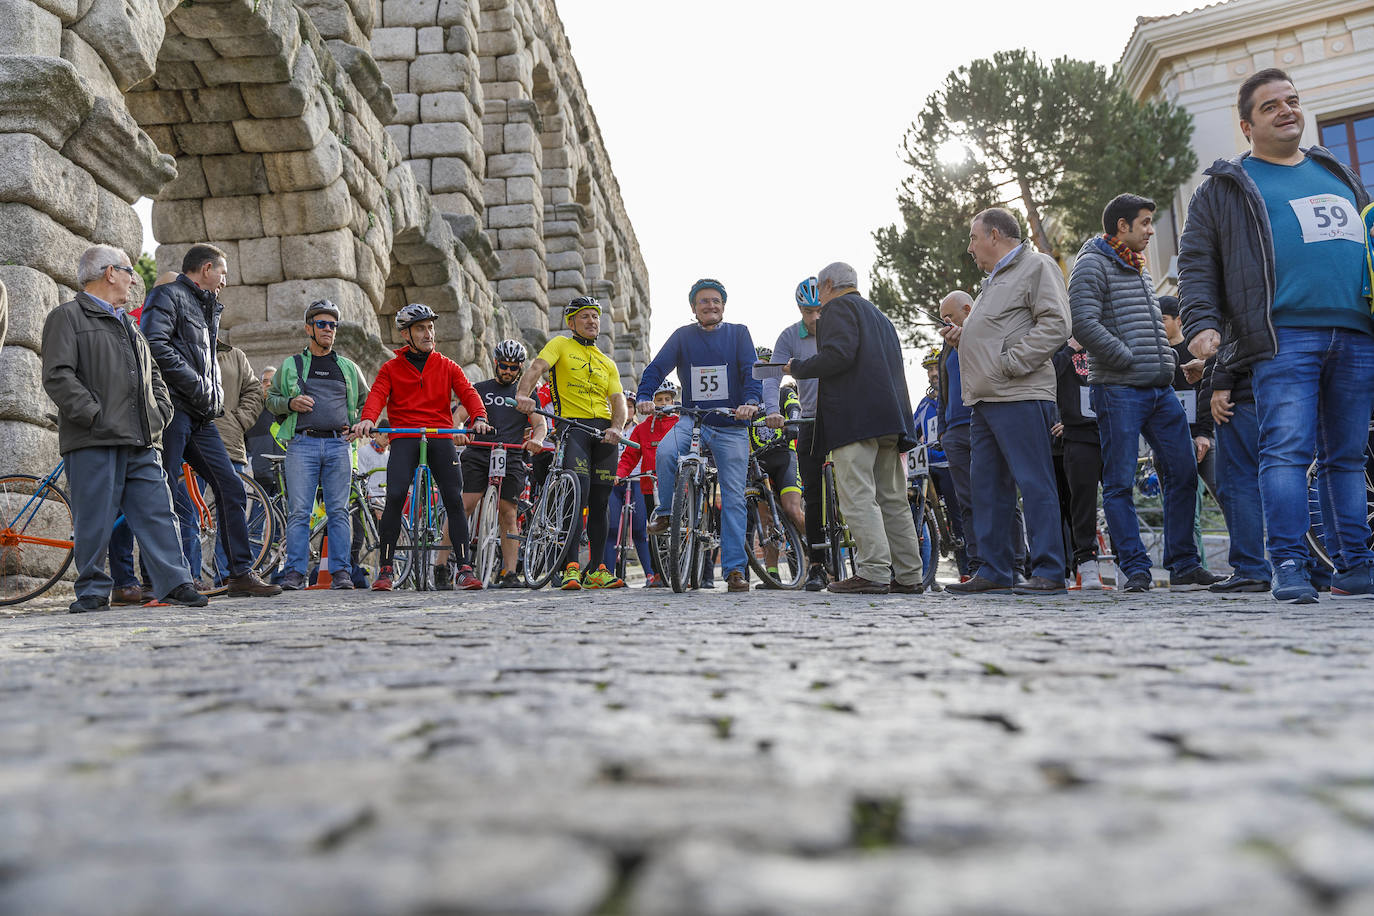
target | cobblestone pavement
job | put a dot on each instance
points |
(637, 752)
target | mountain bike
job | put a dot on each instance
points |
(839, 543)
(36, 535)
(925, 502)
(424, 514)
(485, 523)
(693, 529)
(768, 529)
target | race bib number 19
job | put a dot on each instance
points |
(1327, 217)
(497, 466)
(710, 383)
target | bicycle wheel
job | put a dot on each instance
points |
(1317, 529)
(781, 534)
(36, 535)
(486, 530)
(260, 522)
(625, 540)
(421, 530)
(928, 533)
(835, 534)
(548, 537)
(682, 531)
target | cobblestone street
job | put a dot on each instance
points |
(641, 752)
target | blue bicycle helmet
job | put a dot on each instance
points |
(807, 297)
(706, 283)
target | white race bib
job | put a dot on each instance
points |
(1189, 401)
(497, 468)
(1326, 217)
(710, 383)
(1085, 406)
(932, 430)
(916, 464)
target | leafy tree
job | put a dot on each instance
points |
(147, 269)
(1055, 142)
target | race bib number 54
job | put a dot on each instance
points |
(1327, 217)
(710, 383)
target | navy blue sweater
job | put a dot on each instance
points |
(715, 368)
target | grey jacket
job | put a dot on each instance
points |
(1116, 318)
(99, 372)
(1019, 320)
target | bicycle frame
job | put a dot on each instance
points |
(12, 534)
(422, 499)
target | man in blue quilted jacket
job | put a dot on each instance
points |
(1116, 318)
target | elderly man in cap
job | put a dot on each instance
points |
(111, 410)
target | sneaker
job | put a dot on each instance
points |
(815, 578)
(657, 525)
(979, 586)
(443, 578)
(1354, 583)
(858, 585)
(383, 581)
(185, 595)
(655, 581)
(601, 577)
(249, 585)
(1236, 584)
(292, 581)
(87, 603)
(1194, 578)
(735, 582)
(1041, 585)
(343, 583)
(508, 580)
(1290, 583)
(572, 578)
(466, 581)
(1140, 582)
(1089, 576)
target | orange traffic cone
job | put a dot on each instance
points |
(323, 579)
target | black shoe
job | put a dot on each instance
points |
(509, 580)
(344, 583)
(1237, 584)
(185, 595)
(1194, 578)
(978, 586)
(815, 578)
(88, 603)
(292, 581)
(1140, 582)
(443, 579)
(1040, 585)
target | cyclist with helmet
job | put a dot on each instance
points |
(509, 425)
(798, 341)
(415, 388)
(779, 464)
(648, 434)
(714, 360)
(586, 387)
(927, 417)
(319, 393)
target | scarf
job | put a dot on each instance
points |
(1133, 258)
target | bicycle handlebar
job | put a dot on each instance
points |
(422, 431)
(578, 424)
(515, 445)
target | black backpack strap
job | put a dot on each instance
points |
(300, 372)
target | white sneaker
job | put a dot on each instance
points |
(1089, 577)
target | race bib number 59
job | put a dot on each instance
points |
(1327, 217)
(710, 383)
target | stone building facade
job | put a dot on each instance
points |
(1198, 60)
(375, 152)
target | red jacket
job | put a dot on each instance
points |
(412, 398)
(648, 434)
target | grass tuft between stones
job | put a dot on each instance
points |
(875, 821)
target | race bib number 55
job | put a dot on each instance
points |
(710, 383)
(1327, 217)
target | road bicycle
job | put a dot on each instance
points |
(624, 537)
(414, 562)
(264, 529)
(36, 534)
(768, 529)
(927, 513)
(484, 525)
(547, 542)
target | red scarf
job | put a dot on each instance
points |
(1134, 258)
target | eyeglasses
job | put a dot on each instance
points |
(325, 325)
(508, 367)
(127, 270)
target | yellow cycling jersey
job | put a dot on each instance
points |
(584, 379)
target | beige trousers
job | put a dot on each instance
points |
(871, 485)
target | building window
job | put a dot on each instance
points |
(1351, 140)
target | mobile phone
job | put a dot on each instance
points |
(946, 322)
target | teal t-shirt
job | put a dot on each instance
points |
(1319, 247)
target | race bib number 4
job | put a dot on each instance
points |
(710, 383)
(1327, 217)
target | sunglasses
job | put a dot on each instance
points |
(325, 325)
(127, 270)
(508, 367)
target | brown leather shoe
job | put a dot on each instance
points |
(659, 524)
(896, 588)
(129, 594)
(858, 585)
(735, 582)
(249, 585)
(978, 586)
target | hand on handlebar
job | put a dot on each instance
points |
(363, 428)
(644, 408)
(774, 421)
(534, 446)
(746, 411)
(525, 405)
(481, 427)
(612, 436)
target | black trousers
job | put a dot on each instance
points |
(1082, 473)
(809, 467)
(443, 465)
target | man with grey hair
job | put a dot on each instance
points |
(112, 407)
(864, 419)
(1018, 321)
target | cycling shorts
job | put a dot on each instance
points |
(781, 467)
(590, 457)
(476, 464)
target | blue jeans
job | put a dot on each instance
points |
(1314, 398)
(1124, 414)
(1238, 491)
(322, 463)
(730, 446)
(614, 508)
(198, 443)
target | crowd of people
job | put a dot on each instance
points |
(1039, 396)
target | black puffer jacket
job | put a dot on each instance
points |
(1226, 259)
(181, 322)
(1116, 319)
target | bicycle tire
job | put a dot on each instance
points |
(1316, 530)
(257, 511)
(624, 539)
(783, 534)
(834, 533)
(548, 537)
(929, 536)
(683, 571)
(29, 568)
(486, 529)
(421, 531)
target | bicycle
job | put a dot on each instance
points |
(36, 536)
(262, 527)
(768, 527)
(547, 542)
(426, 525)
(692, 538)
(839, 543)
(925, 501)
(624, 539)
(485, 523)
